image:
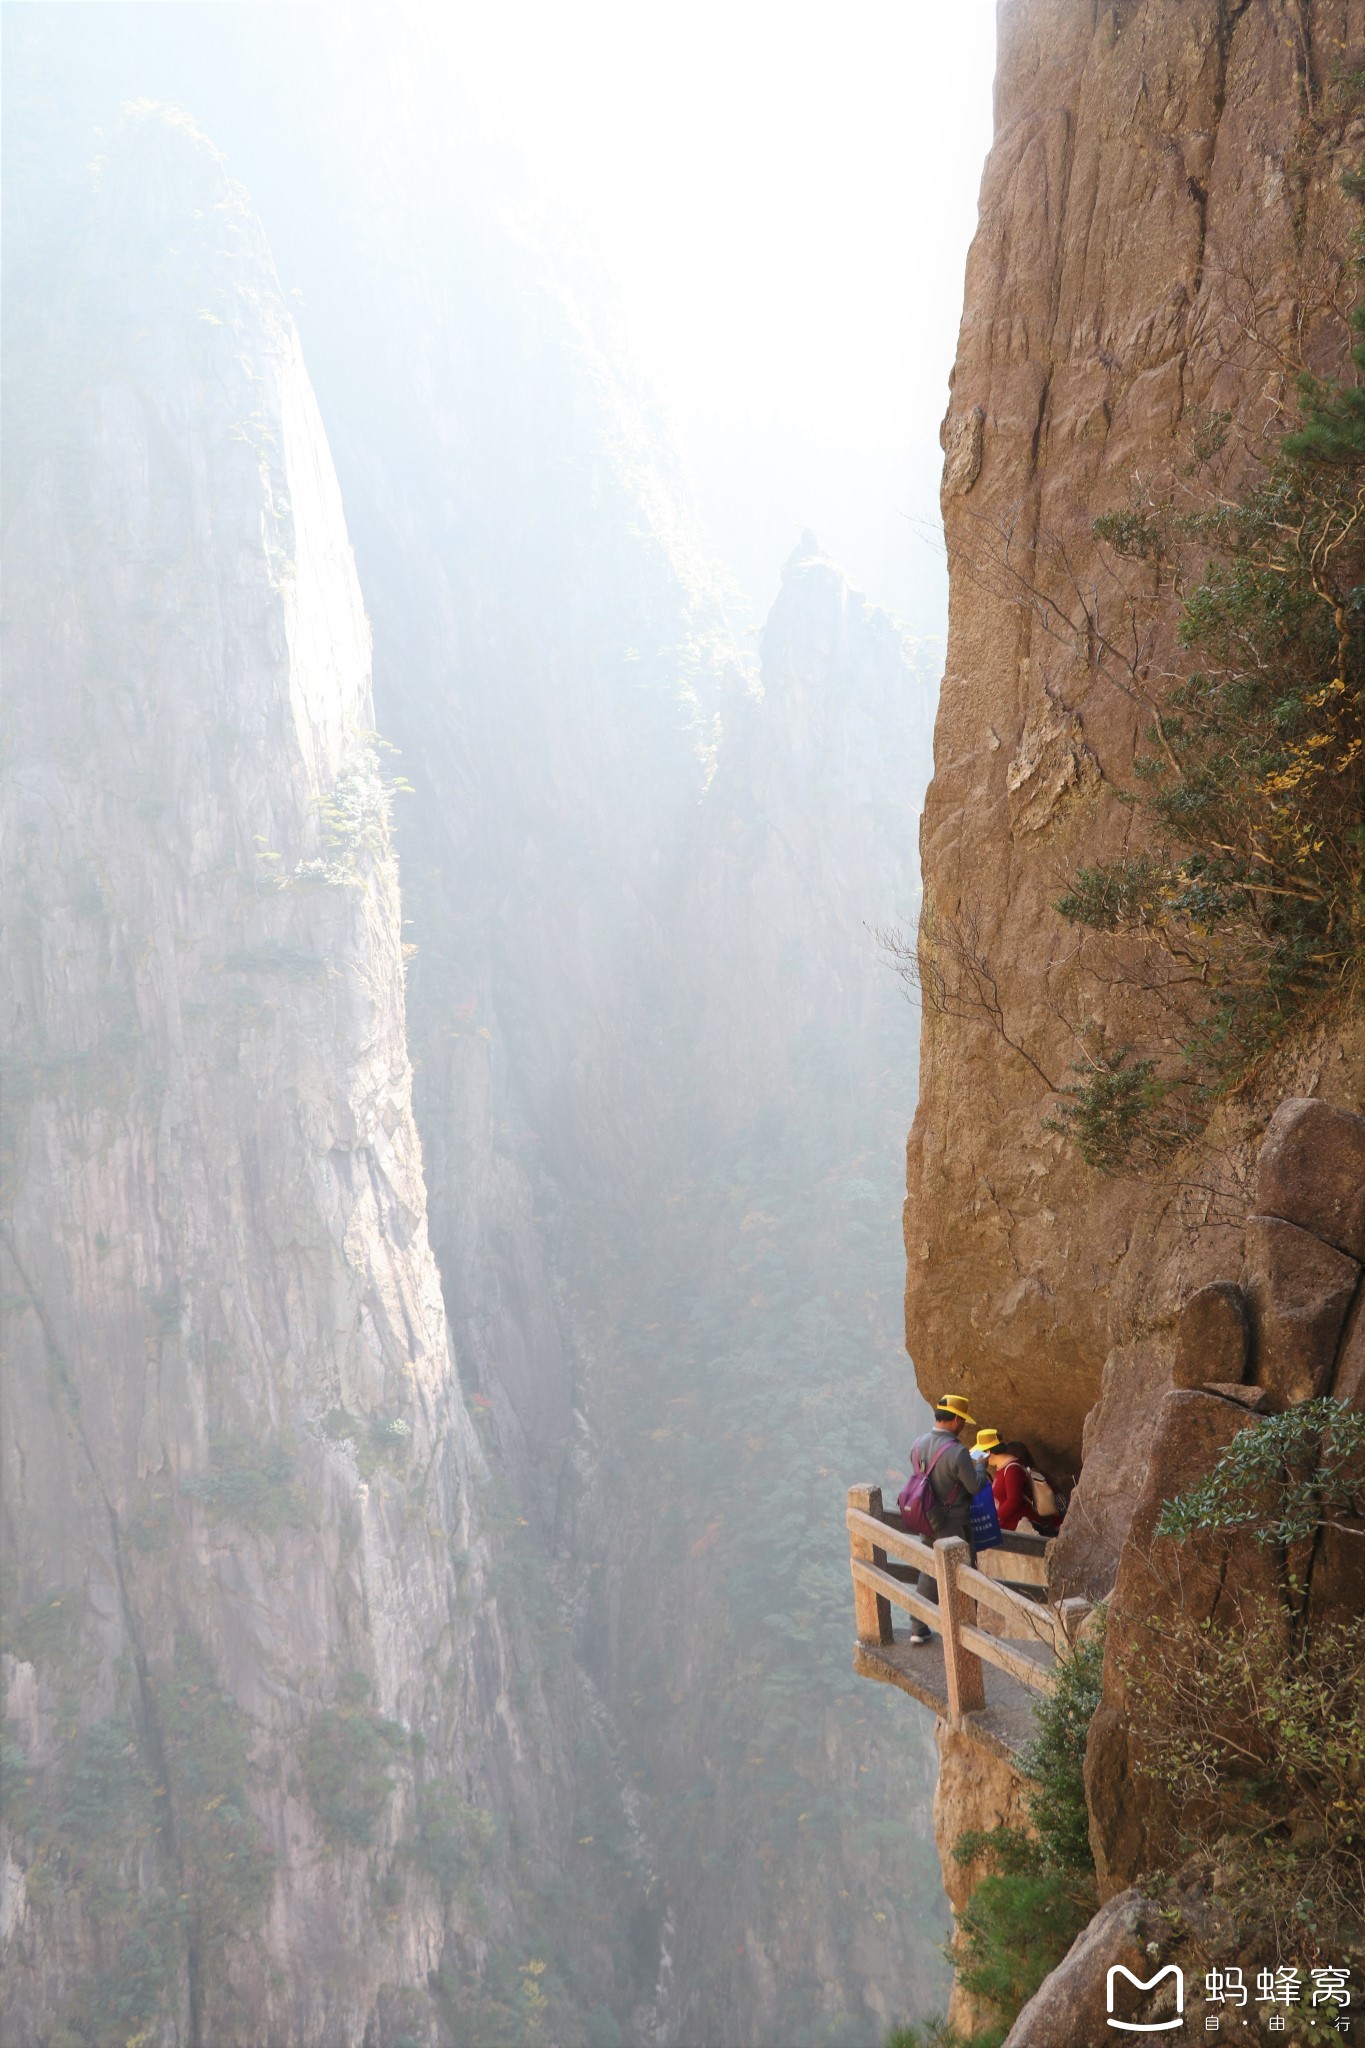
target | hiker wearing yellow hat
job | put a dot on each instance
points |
(955, 1404)
(987, 1440)
(937, 1498)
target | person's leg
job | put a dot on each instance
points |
(926, 1585)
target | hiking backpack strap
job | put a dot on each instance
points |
(928, 1468)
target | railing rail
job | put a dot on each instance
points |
(874, 1541)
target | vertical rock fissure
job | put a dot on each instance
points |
(1319, 1539)
(148, 1718)
(1042, 421)
(155, 1744)
(1303, 57)
(1228, 18)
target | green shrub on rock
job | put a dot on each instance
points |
(1055, 1759)
(1281, 1479)
(228, 1866)
(348, 1756)
(453, 1839)
(251, 1483)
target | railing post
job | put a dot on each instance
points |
(961, 1667)
(872, 1612)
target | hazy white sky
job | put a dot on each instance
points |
(784, 195)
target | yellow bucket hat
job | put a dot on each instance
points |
(956, 1404)
(987, 1440)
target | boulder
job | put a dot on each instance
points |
(1300, 1290)
(1212, 1337)
(1070, 2007)
(1312, 1172)
(1162, 1582)
(1118, 1435)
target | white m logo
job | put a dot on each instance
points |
(1147, 1984)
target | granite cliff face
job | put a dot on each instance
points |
(262, 1693)
(1164, 244)
(1162, 237)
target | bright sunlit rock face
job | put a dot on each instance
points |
(1023, 1264)
(225, 1330)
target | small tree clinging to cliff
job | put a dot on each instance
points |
(1255, 1729)
(1282, 1479)
(1260, 1749)
(1251, 886)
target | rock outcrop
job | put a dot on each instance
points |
(1071, 2009)
(1213, 1338)
(1164, 237)
(1162, 176)
(1299, 1290)
(1311, 1172)
(977, 1792)
(1167, 1589)
(1162, 1582)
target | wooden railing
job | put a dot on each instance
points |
(874, 1540)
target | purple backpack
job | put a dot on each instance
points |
(917, 1500)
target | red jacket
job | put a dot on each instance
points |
(1013, 1490)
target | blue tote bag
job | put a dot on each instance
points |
(985, 1521)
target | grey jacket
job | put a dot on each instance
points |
(953, 1481)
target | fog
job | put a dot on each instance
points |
(456, 1113)
(783, 200)
(774, 205)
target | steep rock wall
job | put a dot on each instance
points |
(1163, 242)
(256, 1668)
(977, 1791)
(1161, 233)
